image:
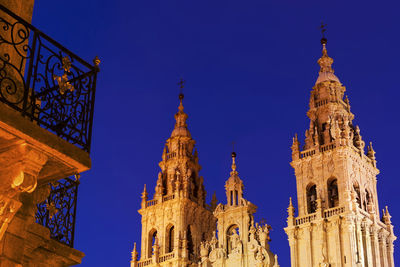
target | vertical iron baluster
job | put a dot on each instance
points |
(30, 67)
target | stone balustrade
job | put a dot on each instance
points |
(144, 262)
(163, 258)
(327, 147)
(167, 257)
(306, 219)
(153, 202)
(166, 198)
(333, 211)
(321, 103)
(307, 153)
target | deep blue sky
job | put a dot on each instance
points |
(249, 66)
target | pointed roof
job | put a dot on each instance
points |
(234, 178)
(180, 128)
(326, 73)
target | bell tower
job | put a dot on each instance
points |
(338, 221)
(176, 220)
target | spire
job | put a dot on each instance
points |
(214, 201)
(144, 194)
(371, 153)
(290, 209)
(234, 174)
(144, 197)
(386, 216)
(134, 253)
(180, 128)
(179, 165)
(326, 72)
(233, 164)
(234, 185)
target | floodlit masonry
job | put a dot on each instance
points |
(338, 222)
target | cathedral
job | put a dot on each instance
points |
(338, 221)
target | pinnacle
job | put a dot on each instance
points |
(326, 72)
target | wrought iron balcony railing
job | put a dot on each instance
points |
(56, 89)
(46, 82)
(58, 212)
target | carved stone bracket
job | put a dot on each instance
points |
(8, 208)
(20, 165)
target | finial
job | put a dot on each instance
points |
(144, 194)
(134, 253)
(233, 157)
(181, 95)
(96, 62)
(323, 30)
(371, 153)
(290, 211)
(233, 150)
(388, 216)
(144, 197)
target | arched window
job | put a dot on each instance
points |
(232, 237)
(312, 198)
(169, 239)
(237, 197)
(151, 240)
(333, 193)
(368, 198)
(358, 195)
(189, 240)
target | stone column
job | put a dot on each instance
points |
(349, 242)
(367, 243)
(359, 244)
(390, 252)
(382, 247)
(143, 245)
(334, 235)
(375, 247)
(292, 233)
(308, 240)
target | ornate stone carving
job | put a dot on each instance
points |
(20, 166)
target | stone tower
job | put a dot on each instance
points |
(338, 222)
(179, 229)
(176, 220)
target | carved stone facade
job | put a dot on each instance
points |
(338, 222)
(180, 229)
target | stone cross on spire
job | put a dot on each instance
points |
(323, 30)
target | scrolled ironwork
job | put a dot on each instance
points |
(58, 211)
(35, 80)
